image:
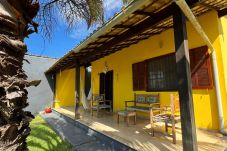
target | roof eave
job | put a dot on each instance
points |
(135, 5)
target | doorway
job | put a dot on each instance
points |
(106, 86)
(87, 79)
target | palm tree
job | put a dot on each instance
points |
(16, 22)
(15, 17)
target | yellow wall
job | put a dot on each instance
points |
(223, 53)
(65, 88)
(205, 106)
(223, 37)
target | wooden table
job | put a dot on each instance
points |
(126, 114)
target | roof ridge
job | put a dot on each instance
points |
(41, 56)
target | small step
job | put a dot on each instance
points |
(80, 136)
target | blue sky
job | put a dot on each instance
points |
(61, 41)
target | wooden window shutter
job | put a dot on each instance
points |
(192, 65)
(202, 77)
(139, 76)
(135, 76)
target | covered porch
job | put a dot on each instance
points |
(151, 32)
(138, 136)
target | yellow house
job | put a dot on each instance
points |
(136, 51)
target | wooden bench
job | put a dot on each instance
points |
(148, 103)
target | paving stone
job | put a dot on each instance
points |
(77, 137)
(94, 146)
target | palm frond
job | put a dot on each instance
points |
(72, 11)
(126, 2)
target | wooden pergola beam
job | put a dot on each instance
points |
(122, 26)
(150, 34)
(139, 12)
(123, 45)
(165, 27)
(115, 49)
(88, 48)
(135, 30)
(108, 36)
(209, 6)
(103, 54)
(190, 3)
(137, 39)
(222, 12)
(139, 28)
(96, 43)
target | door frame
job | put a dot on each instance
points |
(102, 86)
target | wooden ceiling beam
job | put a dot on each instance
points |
(163, 27)
(96, 43)
(150, 34)
(123, 45)
(140, 12)
(134, 40)
(136, 30)
(209, 6)
(222, 12)
(102, 55)
(108, 36)
(113, 50)
(122, 26)
(88, 48)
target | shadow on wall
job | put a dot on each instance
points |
(41, 96)
(51, 82)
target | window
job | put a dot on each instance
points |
(201, 72)
(139, 76)
(159, 74)
(162, 73)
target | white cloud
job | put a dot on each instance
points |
(81, 31)
(112, 4)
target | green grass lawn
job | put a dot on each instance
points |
(43, 138)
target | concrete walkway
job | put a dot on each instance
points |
(81, 138)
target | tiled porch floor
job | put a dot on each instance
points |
(138, 137)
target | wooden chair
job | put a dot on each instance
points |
(168, 115)
(98, 102)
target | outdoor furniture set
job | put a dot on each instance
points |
(148, 103)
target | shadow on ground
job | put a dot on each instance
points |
(43, 138)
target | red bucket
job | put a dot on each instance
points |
(48, 110)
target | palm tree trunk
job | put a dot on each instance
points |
(15, 15)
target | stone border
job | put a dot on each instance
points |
(113, 143)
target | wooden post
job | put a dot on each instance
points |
(184, 81)
(77, 91)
